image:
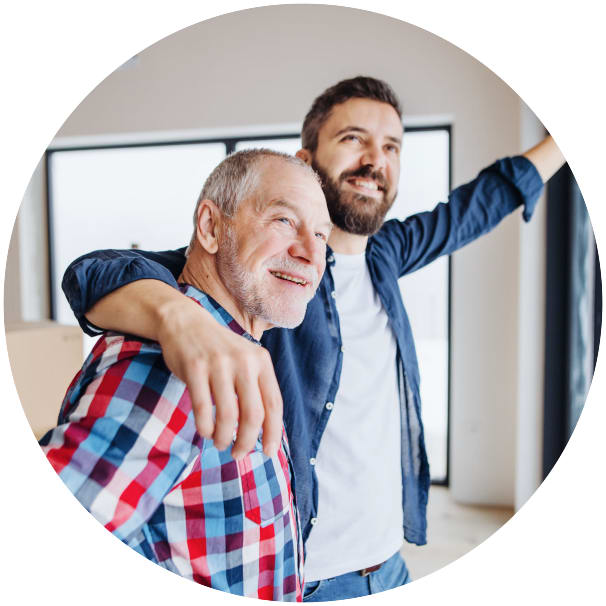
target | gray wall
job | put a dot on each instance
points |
(263, 67)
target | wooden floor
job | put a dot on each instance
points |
(453, 530)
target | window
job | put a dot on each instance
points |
(143, 196)
(425, 181)
(129, 197)
(288, 145)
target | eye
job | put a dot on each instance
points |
(355, 138)
(322, 236)
(394, 149)
(287, 222)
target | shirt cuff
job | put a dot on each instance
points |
(528, 182)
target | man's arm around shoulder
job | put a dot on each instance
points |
(216, 364)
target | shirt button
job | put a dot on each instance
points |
(342, 349)
(329, 405)
(312, 461)
(330, 258)
(333, 294)
(314, 521)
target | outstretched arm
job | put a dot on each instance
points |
(472, 210)
(546, 157)
(215, 364)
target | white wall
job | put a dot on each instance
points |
(27, 286)
(531, 336)
(264, 66)
(12, 290)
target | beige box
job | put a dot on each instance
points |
(44, 358)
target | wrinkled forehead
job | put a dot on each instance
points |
(284, 177)
(282, 182)
(375, 117)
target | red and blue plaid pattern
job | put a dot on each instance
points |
(127, 447)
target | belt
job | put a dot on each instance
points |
(366, 571)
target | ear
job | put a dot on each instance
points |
(208, 223)
(305, 155)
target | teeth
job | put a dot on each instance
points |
(367, 185)
(289, 278)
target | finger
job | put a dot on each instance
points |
(226, 407)
(251, 415)
(272, 405)
(201, 402)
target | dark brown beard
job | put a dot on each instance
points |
(354, 213)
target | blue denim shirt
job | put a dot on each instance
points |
(308, 359)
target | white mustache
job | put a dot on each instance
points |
(285, 265)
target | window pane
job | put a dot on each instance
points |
(288, 146)
(121, 198)
(145, 196)
(423, 183)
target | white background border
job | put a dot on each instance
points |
(54, 53)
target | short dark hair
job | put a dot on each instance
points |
(360, 87)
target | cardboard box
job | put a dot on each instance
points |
(44, 358)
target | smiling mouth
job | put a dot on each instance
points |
(366, 184)
(293, 279)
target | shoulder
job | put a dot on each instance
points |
(114, 353)
(389, 242)
(114, 347)
(127, 373)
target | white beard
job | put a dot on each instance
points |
(248, 293)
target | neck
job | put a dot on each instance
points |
(200, 271)
(345, 243)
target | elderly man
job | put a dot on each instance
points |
(126, 444)
(348, 375)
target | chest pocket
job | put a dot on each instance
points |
(265, 485)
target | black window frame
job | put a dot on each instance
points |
(230, 143)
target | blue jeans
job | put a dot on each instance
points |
(392, 574)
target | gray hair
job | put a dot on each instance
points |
(236, 178)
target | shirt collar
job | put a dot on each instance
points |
(215, 309)
(330, 257)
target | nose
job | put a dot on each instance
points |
(308, 249)
(373, 155)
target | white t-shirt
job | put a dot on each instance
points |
(359, 520)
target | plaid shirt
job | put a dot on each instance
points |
(127, 447)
